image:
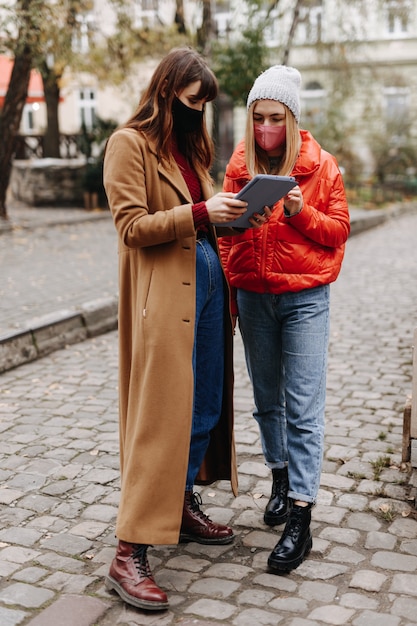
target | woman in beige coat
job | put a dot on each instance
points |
(175, 333)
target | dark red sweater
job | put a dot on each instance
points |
(199, 209)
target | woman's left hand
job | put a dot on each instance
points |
(293, 201)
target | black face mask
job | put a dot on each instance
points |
(186, 119)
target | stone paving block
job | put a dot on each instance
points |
(6, 569)
(214, 587)
(404, 607)
(11, 617)
(22, 594)
(409, 546)
(67, 583)
(380, 541)
(67, 543)
(211, 609)
(187, 563)
(340, 554)
(290, 604)
(22, 536)
(282, 583)
(332, 614)
(367, 580)
(30, 574)
(318, 570)
(394, 561)
(347, 536)
(371, 618)
(258, 597)
(17, 554)
(174, 580)
(230, 571)
(100, 512)
(312, 590)
(59, 562)
(71, 610)
(7, 495)
(259, 539)
(250, 617)
(405, 584)
(358, 601)
(363, 521)
(89, 530)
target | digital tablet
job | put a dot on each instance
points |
(263, 190)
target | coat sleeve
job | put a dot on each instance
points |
(139, 201)
(325, 219)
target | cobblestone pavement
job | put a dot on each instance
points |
(60, 476)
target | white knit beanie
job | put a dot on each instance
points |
(281, 83)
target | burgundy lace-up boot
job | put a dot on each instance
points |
(131, 577)
(197, 526)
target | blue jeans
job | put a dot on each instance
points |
(286, 340)
(208, 355)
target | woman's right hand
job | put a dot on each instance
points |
(223, 207)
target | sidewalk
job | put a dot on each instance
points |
(59, 459)
(60, 283)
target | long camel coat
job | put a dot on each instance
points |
(151, 208)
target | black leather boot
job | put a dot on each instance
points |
(276, 511)
(295, 543)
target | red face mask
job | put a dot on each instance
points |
(269, 137)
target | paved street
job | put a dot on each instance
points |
(60, 470)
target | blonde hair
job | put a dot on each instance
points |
(257, 161)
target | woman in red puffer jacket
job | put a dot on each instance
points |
(280, 275)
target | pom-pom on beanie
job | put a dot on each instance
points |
(281, 83)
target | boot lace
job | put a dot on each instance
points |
(294, 527)
(140, 559)
(195, 503)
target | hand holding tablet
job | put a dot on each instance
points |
(263, 190)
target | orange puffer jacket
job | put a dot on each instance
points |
(291, 253)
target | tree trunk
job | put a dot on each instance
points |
(179, 19)
(10, 119)
(295, 19)
(205, 32)
(51, 147)
(14, 102)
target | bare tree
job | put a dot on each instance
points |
(206, 30)
(179, 19)
(11, 114)
(292, 31)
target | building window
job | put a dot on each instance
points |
(396, 104)
(87, 106)
(313, 104)
(28, 119)
(310, 21)
(81, 37)
(146, 13)
(398, 17)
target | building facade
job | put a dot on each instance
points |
(358, 61)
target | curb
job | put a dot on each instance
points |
(57, 330)
(63, 328)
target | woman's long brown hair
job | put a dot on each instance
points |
(153, 116)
